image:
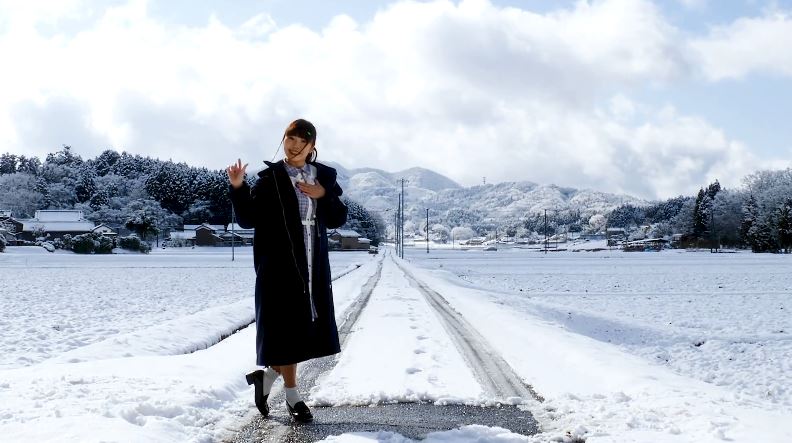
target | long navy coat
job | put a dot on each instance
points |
(285, 331)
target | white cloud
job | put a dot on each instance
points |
(747, 45)
(466, 89)
(694, 4)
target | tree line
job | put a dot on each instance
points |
(756, 216)
(143, 194)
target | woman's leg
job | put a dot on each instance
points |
(289, 373)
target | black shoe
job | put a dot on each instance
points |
(257, 378)
(300, 412)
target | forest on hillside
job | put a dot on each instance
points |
(124, 190)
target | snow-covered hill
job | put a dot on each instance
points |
(378, 190)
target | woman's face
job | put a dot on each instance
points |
(296, 149)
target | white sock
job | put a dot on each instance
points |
(292, 396)
(270, 375)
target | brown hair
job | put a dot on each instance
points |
(305, 130)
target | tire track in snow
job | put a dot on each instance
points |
(278, 427)
(490, 369)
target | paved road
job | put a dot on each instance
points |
(413, 420)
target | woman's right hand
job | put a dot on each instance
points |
(236, 173)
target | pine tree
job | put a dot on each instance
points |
(104, 163)
(85, 187)
(363, 222)
(761, 236)
(142, 224)
(8, 164)
(785, 225)
(750, 215)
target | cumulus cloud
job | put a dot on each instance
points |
(748, 45)
(467, 89)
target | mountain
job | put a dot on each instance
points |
(500, 203)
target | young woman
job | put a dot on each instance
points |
(291, 206)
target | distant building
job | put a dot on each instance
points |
(649, 244)
(213, 235)
(244, 236)
(349, 240)
(54, 224)
(185, 237)
(207, 235)
(105, 230)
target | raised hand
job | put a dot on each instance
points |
(236, 173)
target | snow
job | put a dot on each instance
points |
(661, 347)
(465, 434)
(120, 365)
(421, 365)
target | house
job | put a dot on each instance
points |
(349, 240)
(207, 235)
(184, 237)
(217, 228)
(242, 236)
(649, 244)
(105, 230)
(55, 224)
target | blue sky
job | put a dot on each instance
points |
(653, 99)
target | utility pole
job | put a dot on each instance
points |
(427, 230)
(545, 230)
(233, 236)
(398, 226)
(402, 218)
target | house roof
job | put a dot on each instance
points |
(236, 228)
(104, 228)
(183, 235)
(61, 226)
(346, 233)
(205, 225)
(59, 215)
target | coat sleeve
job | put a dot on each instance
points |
(245, 204)
(330, 208)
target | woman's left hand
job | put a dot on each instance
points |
(314, 191)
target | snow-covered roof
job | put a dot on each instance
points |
(183, 235)
(59, 215)
(236, 228)
(59, 226)
(346, 233)
(102, 228)
(205, 225)
(5, 213)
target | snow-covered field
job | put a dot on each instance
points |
(644, 347)
(56, 304)
(101, 348)
(722, 318)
